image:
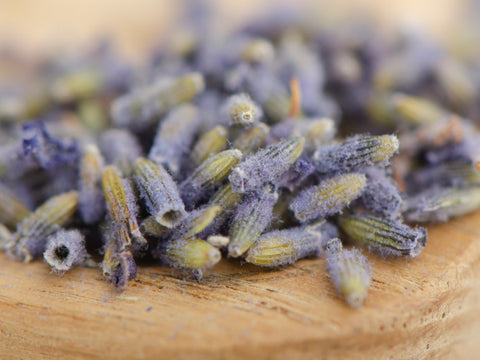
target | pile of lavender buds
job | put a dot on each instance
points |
(273, 143)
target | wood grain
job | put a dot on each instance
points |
(423, 308)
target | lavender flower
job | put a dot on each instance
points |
(266, 165)
(159, 192)
(283, 247)
(356, 152)
(328, 198)
(385, 236)
(140, 109)
(351, 274)
(64, 250)
(242, 111)
(208, 175)
(252, 217)
(174, 137)
(120, 148)
(29, 241)
(441, 204)
(91, 203)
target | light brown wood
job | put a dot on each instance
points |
(423, 308)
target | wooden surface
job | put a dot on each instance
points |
(423, 308)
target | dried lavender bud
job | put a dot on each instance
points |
(381, 195)
(415, 110)
(64, 250)
(91, 203)
(266, 165)
(28, 242)
(252, 217)
(218, 241)
(252, 139)
(93, 115)
(124, 271)
(258, 50)
(210, 143)
(450, 129)
(121, 149)
(198, 220)
(121, 208)
(455, 173)
(298, 60)
(385, 236)
(299, 171)
(351, 274)
(328, 198)
(356, 152)
(76, 86)
(318, 132)
(283, 247)
(142, 108)
(21, 107)
(159, 192)
(465, 150)
(44, 149)
(442, 204)
(208, 175)
(174, 137)
(118, 264)
(190, 254)
(12, 209)
(270, 92)
(242, 111)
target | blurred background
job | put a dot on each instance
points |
(38, 26)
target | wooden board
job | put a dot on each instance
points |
(423, 308)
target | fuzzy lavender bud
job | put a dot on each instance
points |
(441, 204)
(283, 247)
(385, 236)
(351, 274)
(159, 192)
(141, 108)
(91, 203)
(266, 165)
(355, 153)
(29, 241)
(328, 198)
(174, 137)
(64, 250)
(252, 217)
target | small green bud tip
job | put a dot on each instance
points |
(354, 292)
(218, 241)
(389, 145)
(213, 257)
(235, 251)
